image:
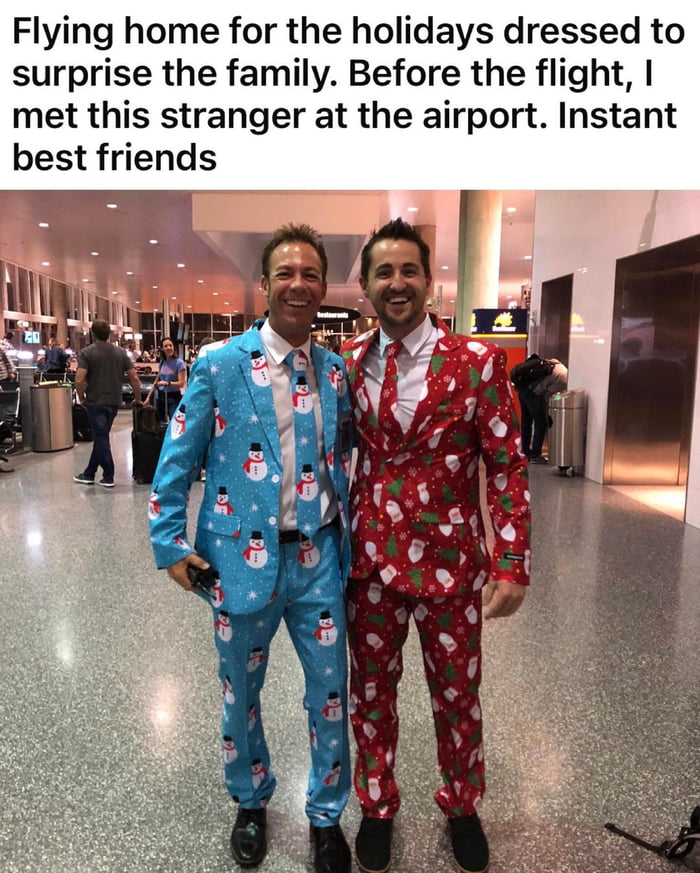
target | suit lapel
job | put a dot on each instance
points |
(261, 396)
(327, 395)
(438, 382)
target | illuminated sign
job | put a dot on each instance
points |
(499, 321)
(336, 315)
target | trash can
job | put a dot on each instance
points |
(568, 432)
(52, 417)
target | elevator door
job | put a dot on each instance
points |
(555, 319)
(652, 371)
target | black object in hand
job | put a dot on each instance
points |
(202, 577)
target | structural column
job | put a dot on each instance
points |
(480, 217)
(57, 293)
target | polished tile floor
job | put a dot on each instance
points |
(109, 709)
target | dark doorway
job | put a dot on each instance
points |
(652, 365)
(555, 319)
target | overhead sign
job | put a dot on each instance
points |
(499, 321)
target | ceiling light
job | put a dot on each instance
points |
(527, 258)
(227, 303)
(85, 280)
(115, 292)
(511, 209)
(413, 209)
(46, 263)
(200, 281)
(129, 272)
(214, 293)
(154, 286)
(153, 242)
(137, 301)
(189, 306)
(180, 266)
(94, 254)
(112, 206)
(173, 297)
(43, 224)
(445, 267)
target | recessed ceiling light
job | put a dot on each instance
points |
(445, 267)
(155, 310)
(46, 263)
(153, 242)
(137, 301)
(180, 266)
(129, 272)
(115, 292)
(413, 209)
(189, 306)
(85, 280)
(43, 224)
(112, 206)
(173, 297)
(527, 258)
(94, 254)
(200, 281)
(227, 303)
(214, 293)
(511, 209)
(154, 286)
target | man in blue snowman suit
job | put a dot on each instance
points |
(270, 412)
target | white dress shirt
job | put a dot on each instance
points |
(276, 350)
(412, 364)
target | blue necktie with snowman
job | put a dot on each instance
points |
(308, 501)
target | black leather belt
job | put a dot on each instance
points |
(296, 536)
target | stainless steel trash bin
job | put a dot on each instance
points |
(568, 433)
(52, 417)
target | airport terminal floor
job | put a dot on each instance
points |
(109, 724)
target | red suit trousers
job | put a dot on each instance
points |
(449, 629)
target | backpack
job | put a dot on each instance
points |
(529, 372)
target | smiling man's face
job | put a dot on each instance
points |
(397, 286)
(294, 290)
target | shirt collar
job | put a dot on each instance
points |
(412, 342)
(277, 347)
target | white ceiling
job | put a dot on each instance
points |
(221, 274)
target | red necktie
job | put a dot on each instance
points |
(388, 398)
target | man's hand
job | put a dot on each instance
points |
(178, 571)
(501, 598)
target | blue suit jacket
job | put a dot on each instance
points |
(227, 415)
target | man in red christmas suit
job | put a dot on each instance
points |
(419, 546)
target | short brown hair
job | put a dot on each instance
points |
(396, 229)
(303, 233)
(100, 329)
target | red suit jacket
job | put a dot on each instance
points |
(415, 509)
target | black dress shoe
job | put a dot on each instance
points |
(373, 844)
(249, 837)
(469, 843)
(331, 851)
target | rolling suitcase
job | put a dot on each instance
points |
(146, 442)
(82, 432)
(145, 451)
